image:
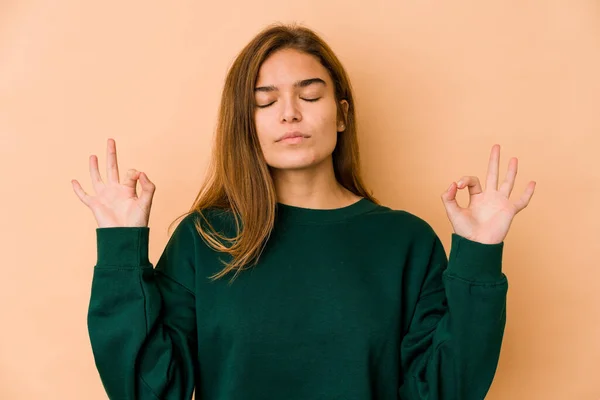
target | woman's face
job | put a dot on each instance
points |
(294, 95)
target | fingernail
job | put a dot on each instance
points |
(459, 183)
(450, 187)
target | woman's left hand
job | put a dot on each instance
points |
(489, 214)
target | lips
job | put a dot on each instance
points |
(294, 134)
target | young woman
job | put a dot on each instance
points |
(287, 279)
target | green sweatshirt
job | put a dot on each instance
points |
(359, 302)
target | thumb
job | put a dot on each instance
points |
(449, 200)
(148, 189)
(131, 178)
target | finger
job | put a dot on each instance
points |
(472, 182)
(511, 174)
(493, 167)
(148, 189)
(131, 179)
(449, 200)
(526, 197)
(83, 196)
(112, 168)
(95, 174)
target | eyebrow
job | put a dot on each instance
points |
(301, 84)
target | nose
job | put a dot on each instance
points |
(290, 111)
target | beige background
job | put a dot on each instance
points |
(437, 84)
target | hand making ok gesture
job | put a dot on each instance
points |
(490, 212)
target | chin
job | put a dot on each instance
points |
(292, 166)
(296, 163)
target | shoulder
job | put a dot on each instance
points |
(413, 236)
(404, 221)
(209, 220)
(188, 233)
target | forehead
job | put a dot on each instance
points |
(285, 67)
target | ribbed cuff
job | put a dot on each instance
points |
(475, 261)
(122, 246)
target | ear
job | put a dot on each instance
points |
(342, 124)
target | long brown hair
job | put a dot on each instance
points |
(238, 180)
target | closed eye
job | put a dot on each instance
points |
(309, 100)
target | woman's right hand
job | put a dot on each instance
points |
(117, 204)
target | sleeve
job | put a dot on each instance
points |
(452, 346)
(141, 320)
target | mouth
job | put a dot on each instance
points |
(293, 140)
(293, 137)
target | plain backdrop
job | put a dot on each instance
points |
(437, 83)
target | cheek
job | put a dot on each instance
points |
(328, 118)
(262, 130)
(328, 131)
(327, 122)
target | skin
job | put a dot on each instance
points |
(302, 172)
(490, 212)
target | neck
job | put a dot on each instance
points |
(314, 187)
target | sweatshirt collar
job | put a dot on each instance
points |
(287, 213)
